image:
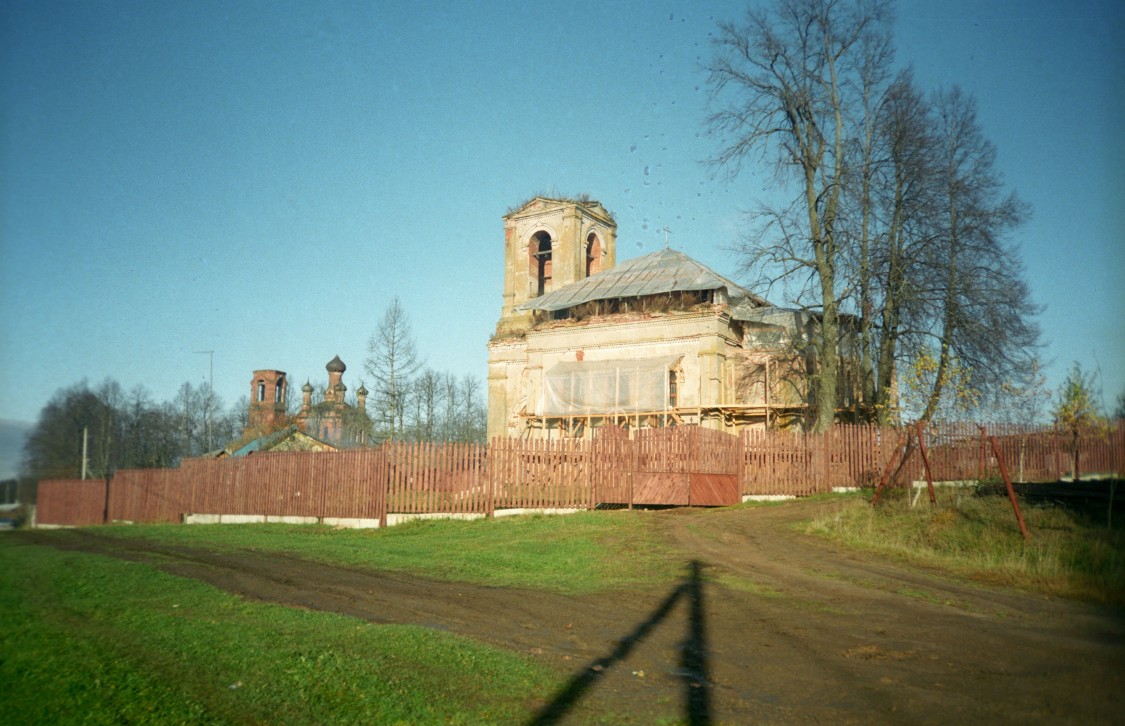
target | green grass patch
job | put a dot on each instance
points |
(978, 537)
(90, 639)
(579, 553)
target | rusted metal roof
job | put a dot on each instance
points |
(654, 274)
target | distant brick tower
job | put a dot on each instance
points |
(268, 389)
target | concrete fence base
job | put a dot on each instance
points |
(360, 523)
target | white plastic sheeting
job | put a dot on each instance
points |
(577, 388)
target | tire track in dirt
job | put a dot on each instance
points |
(944, 648)
(783, 626)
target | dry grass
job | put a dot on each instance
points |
(978, 537)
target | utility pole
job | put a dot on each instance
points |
(85, 439)
(210, 391)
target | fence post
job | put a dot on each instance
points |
(491, 463)
(592, 472)
(887, 470)
(1076, 470)
(925, 462)
(828, 436)
(105, 512)
(633, 458)
(981, 471)
(1011, 491)
(384, 476)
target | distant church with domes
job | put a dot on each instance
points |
(329, 424)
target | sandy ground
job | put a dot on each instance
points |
(766, 626)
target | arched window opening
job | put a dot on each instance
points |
(593, 254)
(279, 392)
(539, 261)
(673, 393)
(261, 391)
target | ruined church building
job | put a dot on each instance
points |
(660, 340)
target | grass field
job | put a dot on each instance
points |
(579, 553)
(978, 537)
(87, 639)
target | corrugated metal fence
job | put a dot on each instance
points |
(679, 465)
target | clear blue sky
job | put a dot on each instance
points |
(260, 179)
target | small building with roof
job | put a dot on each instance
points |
(659, 340)
(290, 438)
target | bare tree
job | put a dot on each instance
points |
(109, 426)
(473, 413)
(1022, 400)
(392, 362)
(427, 404)
(451, 394)
(906, 200)
(786, 87)
(867, 172)
(986, 313)
(446, 408)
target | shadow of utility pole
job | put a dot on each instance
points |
(693, 671)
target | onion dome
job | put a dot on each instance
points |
(336, 365)
(361, 391)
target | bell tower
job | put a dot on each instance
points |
(268, 389)
(549, 243)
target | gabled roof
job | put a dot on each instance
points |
(654, 274)
(271, 441)
(539, 204)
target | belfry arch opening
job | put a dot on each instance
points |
(539, 262)
(593, 254)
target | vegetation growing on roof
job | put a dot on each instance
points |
(583, 198)
(672, 302)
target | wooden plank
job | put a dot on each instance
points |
(661, 488)
(713, 490)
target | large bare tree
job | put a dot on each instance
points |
(987, 317)
(788, 88)
(906, 201)
(867, 174)
(392, 362)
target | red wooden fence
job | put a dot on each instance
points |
(71, 502)
(678, 465)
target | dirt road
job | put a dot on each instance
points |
(767, 625)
